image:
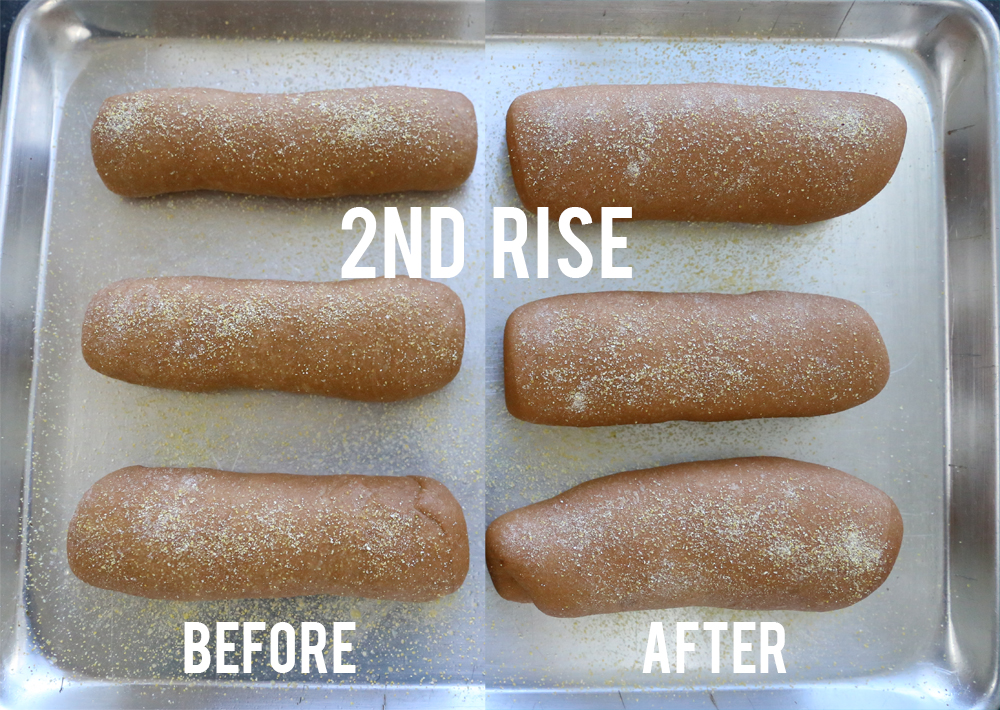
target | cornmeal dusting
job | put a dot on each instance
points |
(206, 534)
(704, 152)
(318, 144)
(376, 340)
(760, 533)
(631, 357)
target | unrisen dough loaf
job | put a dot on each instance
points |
(367, 339)
(703, 152)
(318, 144)
(631, 357)
(750, 533)
(197, 534)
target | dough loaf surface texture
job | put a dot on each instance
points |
(317, 144)
(367, 339)
(703, 152)
(201, 534)
(634, 357)
(751, 533)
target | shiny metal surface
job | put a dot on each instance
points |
(921, 258)
(64, 644)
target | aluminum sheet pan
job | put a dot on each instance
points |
(68, 645)
(920, 257)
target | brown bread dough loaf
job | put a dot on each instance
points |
(703, 152)
(318, 144)
(751, 533)
(367, 339)
(199, 534)
(632, 357)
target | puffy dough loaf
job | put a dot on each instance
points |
(703, 152)
(750, 533)
(369, 339)
(199, 534)
(631, 357)
(318, 144)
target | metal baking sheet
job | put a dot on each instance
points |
(920, 257)
(68, 645)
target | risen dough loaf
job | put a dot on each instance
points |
(629, 357)
(318, 144)
(368, 339)
(703, 152)
(197, 533)
(751, 533)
